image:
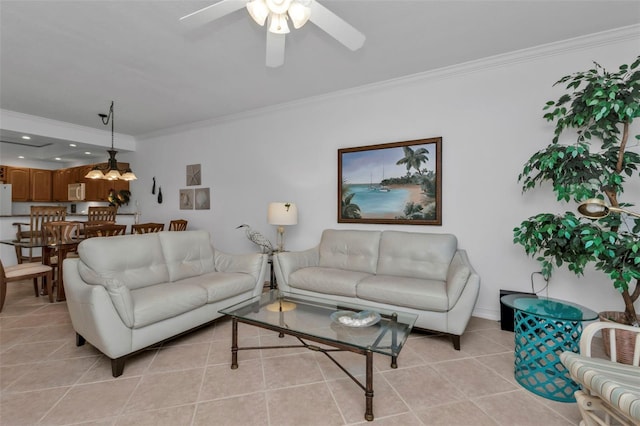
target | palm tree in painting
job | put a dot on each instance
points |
(413, 159)
(350, 211)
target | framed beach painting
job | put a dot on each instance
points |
(393, 183)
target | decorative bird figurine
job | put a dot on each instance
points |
(257, 238)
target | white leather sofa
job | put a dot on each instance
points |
(128, 292)
(422, 273)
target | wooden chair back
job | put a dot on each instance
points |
(61, 232)
(104, 230)
(105, 214)
(146, 228)
(178, 225)
(32, 231)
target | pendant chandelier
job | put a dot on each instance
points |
(111, 170)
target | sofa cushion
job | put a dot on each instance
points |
(162, 301)
(426, 295)
(134, 260)
(457, 279)
(350, 250)
(416, 255)
(222, 285)
(188, 253)
(327, 280)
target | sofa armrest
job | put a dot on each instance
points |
(253, 263)
(460, 274)
(286, 263)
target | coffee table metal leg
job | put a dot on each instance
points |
(368, 393)
(234, 343)
(394, 340)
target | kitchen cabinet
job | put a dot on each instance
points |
(61, 180)
(40, 182)
(19, 178)
(52, 185)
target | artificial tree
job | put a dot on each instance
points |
(601, 107)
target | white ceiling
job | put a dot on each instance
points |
(66, 60)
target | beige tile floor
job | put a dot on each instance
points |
(46, 380)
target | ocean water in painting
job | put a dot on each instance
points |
(379, 203)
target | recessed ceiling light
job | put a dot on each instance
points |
(26, 137)
(58, 158)
(73, 145)
(87, 152)
(20, 156)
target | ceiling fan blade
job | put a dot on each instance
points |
(336, 27)
(213, 12)
(275, 49)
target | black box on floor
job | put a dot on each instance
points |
(506, 313)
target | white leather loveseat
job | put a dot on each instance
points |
(128, 292)
(421, 273)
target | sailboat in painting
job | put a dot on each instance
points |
(379, 187)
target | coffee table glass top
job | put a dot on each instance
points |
(321, 318)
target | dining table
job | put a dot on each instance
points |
(61, 249)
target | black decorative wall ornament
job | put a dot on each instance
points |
(159, 195)
(153, 188)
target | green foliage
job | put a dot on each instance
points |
(600, 106)
(350, 211)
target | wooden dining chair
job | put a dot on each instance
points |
(61, 239)
(146, 228)
(32, 231)
(178, 225)
(102, 214)
(24, 271)
(104, 230)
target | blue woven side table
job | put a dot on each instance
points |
(544, 328)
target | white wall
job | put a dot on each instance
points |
(489, 114)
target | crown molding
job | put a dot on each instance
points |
(589, 41)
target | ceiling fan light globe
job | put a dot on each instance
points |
(299, 14)
(279, 24)
(258, 11)
(278, 7)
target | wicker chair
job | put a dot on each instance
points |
(610, 390)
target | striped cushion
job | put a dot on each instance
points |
(617, 384)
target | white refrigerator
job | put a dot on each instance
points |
(5, 199)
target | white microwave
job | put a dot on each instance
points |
(76, 192)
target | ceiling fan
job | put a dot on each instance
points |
(276, 13)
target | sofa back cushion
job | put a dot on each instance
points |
(136, 261)
(350, 250)
(416, 255)
(187, 253)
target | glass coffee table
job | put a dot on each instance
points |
(339, 325)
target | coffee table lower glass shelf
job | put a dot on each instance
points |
(544, 328)
(328, 322)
